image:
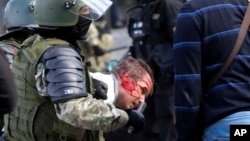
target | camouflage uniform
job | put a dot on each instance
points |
(55, 93)
(37, 118)
(97, 36)
(10, 45)
(15, 16)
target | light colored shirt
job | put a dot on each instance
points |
(112, 83)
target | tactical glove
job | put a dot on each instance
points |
(98, 51)
(101, 89)
(136, 121)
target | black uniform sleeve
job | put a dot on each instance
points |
(8, 93)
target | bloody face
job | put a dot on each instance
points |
(132, 93)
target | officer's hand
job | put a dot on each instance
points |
(101, 89)
(98, 51)
(136, 121)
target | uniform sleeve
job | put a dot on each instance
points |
(92, 114)
(8, 93)
(187, 67)
(85, 112)
(82, 111)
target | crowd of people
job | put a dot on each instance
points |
(54, 85)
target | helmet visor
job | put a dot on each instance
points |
(91, 9)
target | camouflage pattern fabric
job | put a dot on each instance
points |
(104, 40)
(78, 119)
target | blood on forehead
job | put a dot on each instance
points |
(146, 82)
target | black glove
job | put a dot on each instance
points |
(98, 51)
(101, 89)
(136, 121)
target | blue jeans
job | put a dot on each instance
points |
(220, 131)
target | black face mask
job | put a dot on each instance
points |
(77, 32)
(82, 27)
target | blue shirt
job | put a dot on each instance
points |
(206, 32)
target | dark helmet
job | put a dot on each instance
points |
(19, 13)
(76, 14)
(66, 12)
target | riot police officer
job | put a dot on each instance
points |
(15, 17)
(54, 87)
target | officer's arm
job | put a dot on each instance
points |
(64, 75)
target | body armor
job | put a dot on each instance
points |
(34, 118)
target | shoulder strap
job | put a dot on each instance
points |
(39, 45)
(241, 36)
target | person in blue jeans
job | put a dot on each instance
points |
(220, 131)
(206, 32)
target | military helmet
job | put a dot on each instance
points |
(19, 13)
(62, 13)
